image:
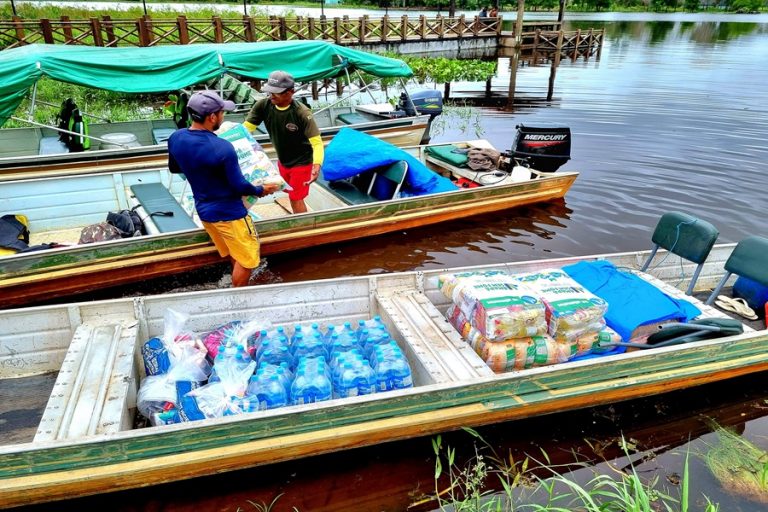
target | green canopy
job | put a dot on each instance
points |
(168, 68)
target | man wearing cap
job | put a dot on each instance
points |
(293, 132)
(211, 167)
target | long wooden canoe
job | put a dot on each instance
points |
(85, 444)
(19, 156)
(59, 207)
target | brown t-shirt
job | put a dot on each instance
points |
(289, 130)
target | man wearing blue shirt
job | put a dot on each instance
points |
(210, 165)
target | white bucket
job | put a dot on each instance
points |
(119, 141)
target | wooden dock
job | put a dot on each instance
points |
(363, 31)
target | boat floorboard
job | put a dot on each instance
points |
(61, 236)
(22, 403)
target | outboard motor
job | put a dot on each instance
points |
(542, 148)
(428, 101)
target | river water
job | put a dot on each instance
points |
(673, 116)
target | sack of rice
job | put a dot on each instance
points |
(495, 304)
(568, 304)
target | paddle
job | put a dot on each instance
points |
(685, 332)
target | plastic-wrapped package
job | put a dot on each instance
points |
(495, 304)
(573, 334)
(188, 364)
(235, 333)
(522, 353)
(569, 305)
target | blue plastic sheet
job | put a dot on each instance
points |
(632, 301)
(352, 152)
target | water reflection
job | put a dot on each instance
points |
(664, 430)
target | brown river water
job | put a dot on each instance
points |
(673, 116)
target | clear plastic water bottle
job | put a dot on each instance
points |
(329, 332)
(391, 368)
(311, 383)
(275, 355)
(354, 377)
(308, 347)
(297, 331)
(375, 338)
(270, 392)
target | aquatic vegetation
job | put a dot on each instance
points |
(739, 466)
(545, 487)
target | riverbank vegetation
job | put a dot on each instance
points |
(77, 10)
(490, 482)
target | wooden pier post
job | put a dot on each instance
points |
(555, 64)
(96, 32)
(181, 26)
(519, 23)
(514, 61)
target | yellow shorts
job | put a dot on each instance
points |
(236, 238)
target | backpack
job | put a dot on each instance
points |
(98, 233)
(70, 118)
(127, 222)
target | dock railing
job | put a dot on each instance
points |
(147, 31)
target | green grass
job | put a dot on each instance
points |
(739, 466)
(472, 487)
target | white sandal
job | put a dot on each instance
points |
(735, 305)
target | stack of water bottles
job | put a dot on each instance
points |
(272, 368)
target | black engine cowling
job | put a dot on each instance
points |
(543, 148)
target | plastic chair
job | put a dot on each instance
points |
(748, 259)
(686, 236)
(394, 173)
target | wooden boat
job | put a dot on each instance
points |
(84, 443)
(37, 151)
(60, 207)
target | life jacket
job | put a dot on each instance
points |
(14, 236)
(70, 118)
(180, 113)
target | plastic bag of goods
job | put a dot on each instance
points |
(569, 305)
(255, 165)
(495, 304)
(522, 353)
(174, 363)
(236, 332)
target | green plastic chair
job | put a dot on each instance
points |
(749, 259)
(395, 173)
(686, 236)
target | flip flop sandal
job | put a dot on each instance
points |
(735, 306)
(746, 310)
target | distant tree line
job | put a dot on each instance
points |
(579, 5)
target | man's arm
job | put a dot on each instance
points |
(254, 117)
(316, 140)
(236, 179)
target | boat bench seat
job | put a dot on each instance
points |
(160, 135)
(51, 146)
(95, 390)
(162, 207)
(352, 118)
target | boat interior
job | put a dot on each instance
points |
(57, 209)
(90, 353)
(29, 141)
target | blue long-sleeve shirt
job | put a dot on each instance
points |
(211, 167)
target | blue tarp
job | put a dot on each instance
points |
(352, 152)
(632, 301)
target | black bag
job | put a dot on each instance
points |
(14, 234)
(127, 222)
(70, 118)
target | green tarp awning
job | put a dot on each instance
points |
(168, 68)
